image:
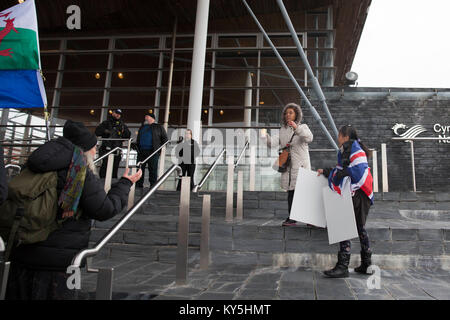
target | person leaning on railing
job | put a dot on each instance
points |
(38, 270)
(3, 183)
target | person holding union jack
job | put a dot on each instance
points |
(352, 163)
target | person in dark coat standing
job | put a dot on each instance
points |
(112, 128)
(150, 137)
(38, 270)
(3, 182)
(187, 151)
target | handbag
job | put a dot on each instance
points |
(284, 158)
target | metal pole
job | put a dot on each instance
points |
(214, 44)
(248, 103)
(291, 76)
(4, 272)
(132, 191)
(10, 150)
(230, 187)
(204, 244)
(162, 159)
(315, 82)
(375, 170)
(162, 45)
(104, 284)
(26, 134)
(4, 123)
(252, 167)
(240, 197)
(105, 102)
(198, 69)
(183, 232)
(58, 85)
(128, 154)
(384, 167)
(412, 165)
(109, 169)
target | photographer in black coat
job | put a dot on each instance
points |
(38, 270)
(112, 128)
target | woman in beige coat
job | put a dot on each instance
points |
(301, 135)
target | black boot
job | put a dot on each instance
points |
(366, 261)
(341, 268)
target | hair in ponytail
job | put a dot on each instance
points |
(349, 131)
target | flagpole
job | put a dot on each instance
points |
(46, 117)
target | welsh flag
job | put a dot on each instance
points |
(21, 83)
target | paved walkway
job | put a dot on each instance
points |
(234, 279)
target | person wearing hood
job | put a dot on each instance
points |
(112, 128)
(38, 270)
(150, 137)
(298, 136)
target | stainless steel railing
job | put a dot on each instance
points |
(154, 152)
(13, 166)
(107, 154)
(77, 260)
(210, 170)
(241, 154)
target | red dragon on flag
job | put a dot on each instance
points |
(8, 28)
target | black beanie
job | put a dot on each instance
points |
(150, 114)
(79, 135)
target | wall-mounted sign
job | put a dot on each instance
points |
(414, 131)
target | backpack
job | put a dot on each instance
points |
(29, 213)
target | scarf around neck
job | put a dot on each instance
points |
(76, 175)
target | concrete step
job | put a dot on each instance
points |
(399, 224)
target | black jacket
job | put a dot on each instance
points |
(345, 150)
(3, 182)
(186, 145)
(57, 252)
(159, 135)
(112, 128)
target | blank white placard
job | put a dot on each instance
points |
(339, 213)
(307, 204)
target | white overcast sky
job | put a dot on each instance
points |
(405, 43)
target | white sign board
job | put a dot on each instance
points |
(307, 204)
(339, 214)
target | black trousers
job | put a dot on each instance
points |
(151, 164)
(361, 205)
(290, 198)
(116, 163)
(187, 170)
(29, 284)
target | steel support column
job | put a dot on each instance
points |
(198, 69)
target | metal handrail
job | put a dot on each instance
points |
(241, 154)
(2, 245)
(154, 152)
(77, 260)
(13, 166)
(106, 154)
(208, 173)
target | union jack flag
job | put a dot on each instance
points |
(359, 172)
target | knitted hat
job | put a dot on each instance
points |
(79, 135)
